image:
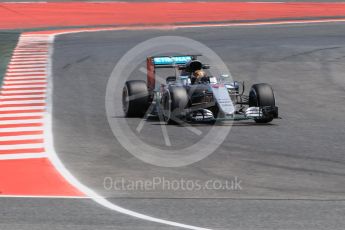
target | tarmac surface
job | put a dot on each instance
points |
(291, 172)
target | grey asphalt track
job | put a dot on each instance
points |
(62, 214)
(300, 156)
(292, 172)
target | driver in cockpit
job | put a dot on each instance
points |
(198, 76)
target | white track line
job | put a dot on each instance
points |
(26, 36)
(19, 129)
(30, 50)
(13, 93)
(21, 138)
(21, 101)
(32, 47)
(21, 68)
(29, 53)
(24, 78)
(22, 146)
(27, 44)
(21, 108)
(4, 96)
(14, 66)
(13, 70)
(28, 61)
(31, 40)
(21, 86)
(291, 22)
(20, 121)
(19, 157)
(36, 77)
(24, 51)
(24, 44)
(26, 73)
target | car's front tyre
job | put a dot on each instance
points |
(262, 95)
(174, 101)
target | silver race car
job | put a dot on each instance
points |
(179, 98)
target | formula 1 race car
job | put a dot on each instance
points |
(179, 98)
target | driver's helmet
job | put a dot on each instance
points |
(198, 75)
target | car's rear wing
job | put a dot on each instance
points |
(155, 62)
(179, 61)
(172, 61)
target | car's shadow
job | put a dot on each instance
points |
(154, 120)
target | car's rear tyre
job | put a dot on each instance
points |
(135, 98)
(173, 103)
(262, 95)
